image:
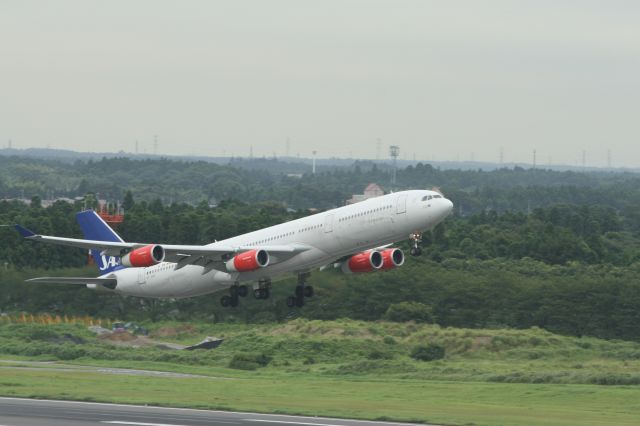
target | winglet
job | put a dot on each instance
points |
(24, 231)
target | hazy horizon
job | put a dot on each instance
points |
(446, 81)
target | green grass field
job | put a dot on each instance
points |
(344, 369)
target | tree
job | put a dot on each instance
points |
(128, 202)
(36, 202)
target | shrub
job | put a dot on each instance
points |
(377, 354)
(430, 352)
(388, 340)
(409, 311)
(249, 361)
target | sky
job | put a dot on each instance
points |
(444, 80)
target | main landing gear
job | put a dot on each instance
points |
(235, 293)
(416, 239)
(263, 290)
(302, 290)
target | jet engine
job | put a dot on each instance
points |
(144, 256)
(366, 261)
(392, 258)
(248, 261)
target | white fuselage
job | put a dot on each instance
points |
(329, 236)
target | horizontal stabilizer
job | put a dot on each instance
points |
(107, 282)
(24, 231)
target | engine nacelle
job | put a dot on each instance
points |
(144, 256)
(392, 258)
(366, 261)
(248, 261)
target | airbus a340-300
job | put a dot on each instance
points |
(356, 238)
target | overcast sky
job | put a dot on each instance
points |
(443, 80)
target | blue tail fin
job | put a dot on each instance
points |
(94, 228)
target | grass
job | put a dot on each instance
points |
(408, 400)
(345, 368)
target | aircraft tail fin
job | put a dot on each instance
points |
(95, 228)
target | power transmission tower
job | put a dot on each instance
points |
(313, 163)
(394, 152)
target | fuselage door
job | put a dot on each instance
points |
(401, 204)
(328, 223)
(142, 277)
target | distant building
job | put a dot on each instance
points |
(371, 191)
(43, 203)
(49, 203)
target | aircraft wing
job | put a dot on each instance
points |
(116, 248)
(74, 280)
(181, 254)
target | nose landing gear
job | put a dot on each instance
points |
(416, 239)
(302, 290)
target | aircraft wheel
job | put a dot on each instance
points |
(299, 291)
(264, 293)
(243, 291)
(308, 291)
(225, 301)
(291, 301)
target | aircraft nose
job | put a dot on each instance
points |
(449, 205)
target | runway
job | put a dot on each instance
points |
(34, 412)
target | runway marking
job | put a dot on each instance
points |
(118, 422)
(155, 407)
(290, 423)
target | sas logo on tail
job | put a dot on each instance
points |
(110, 262)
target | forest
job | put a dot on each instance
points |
(525, 247)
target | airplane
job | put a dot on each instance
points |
(356, 238)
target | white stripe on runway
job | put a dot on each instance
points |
(290, 423)
(119, 422)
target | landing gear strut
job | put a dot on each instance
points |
(263, 290)
(302, 290)
(416, 239)
(235, 293)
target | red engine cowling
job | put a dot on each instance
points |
(366, 261)
(392, 258)
(144, 256)
(248, 261)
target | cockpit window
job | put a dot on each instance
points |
(426, 197)
(437, 196)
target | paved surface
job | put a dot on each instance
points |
(68, 368)
(32, 412)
